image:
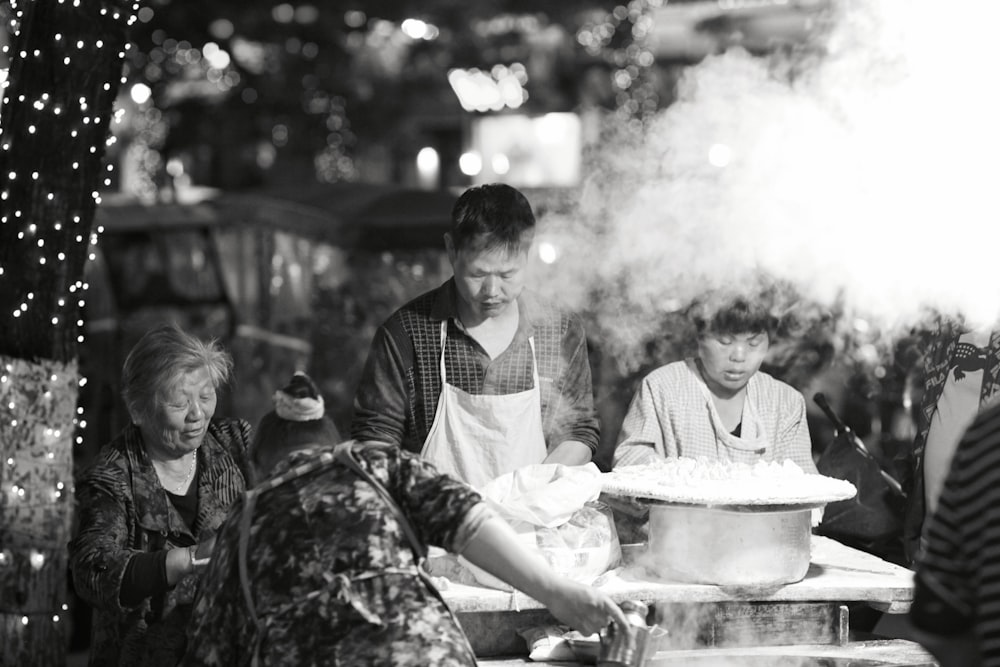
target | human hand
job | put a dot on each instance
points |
(201, 554)
(205, 547)
(583, 608)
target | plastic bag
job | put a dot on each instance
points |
(544, 494)
(553, 510)
(546, 642)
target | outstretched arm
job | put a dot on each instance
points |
(495, 549)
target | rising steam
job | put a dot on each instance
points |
(864, 176)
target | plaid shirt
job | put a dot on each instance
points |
(399, 388)
(669, 416)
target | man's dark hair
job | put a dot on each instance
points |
(490, 216)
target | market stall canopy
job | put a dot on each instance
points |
(361, 215)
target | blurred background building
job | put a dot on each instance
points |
(284, 172)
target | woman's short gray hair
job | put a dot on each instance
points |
(161, 357)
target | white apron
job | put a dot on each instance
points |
(477, 437)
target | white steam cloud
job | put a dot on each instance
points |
(865, 176)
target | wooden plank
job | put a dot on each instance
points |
(732, 624)
(688, 626)
(811, 611)
(837, 573)
(895, 652)
(844, 626)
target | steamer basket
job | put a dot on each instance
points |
(729, 546)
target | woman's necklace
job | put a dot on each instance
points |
(181, 487)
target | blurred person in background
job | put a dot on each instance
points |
(956, 602)
(319, 564)
(479, 376)
(149, 505)
(960, 376)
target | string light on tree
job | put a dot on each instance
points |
(66, 62)
(621, 39)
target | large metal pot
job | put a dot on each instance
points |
(729, 546)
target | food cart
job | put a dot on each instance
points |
(729, 566)
(809, 619)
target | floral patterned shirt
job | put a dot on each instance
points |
(940, 348)
(123, 511)
(331, 577)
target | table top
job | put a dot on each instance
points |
(885, 652)
(837, 573)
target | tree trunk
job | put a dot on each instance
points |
(65, 72)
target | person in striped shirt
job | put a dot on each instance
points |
(956, 602)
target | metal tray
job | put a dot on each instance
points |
(733, 507)
(586, 649)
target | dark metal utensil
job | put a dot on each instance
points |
(842, 430)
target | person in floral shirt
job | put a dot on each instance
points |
(313, 567)
(959, 374)
(149, 505)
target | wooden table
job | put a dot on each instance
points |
(814, 611)
(875, 652)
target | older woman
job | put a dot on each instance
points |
(150, 504)
(319, 563)
(719, 404)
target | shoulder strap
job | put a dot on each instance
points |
(246, 521)
(345, 455)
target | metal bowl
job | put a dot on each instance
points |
(586, 649)
(729, 547)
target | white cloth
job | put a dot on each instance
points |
(672, 414)
(478, 437)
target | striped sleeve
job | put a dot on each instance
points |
(960, 565)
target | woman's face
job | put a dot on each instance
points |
(730, 360)
(180, 416)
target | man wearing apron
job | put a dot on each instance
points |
(479, 376)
